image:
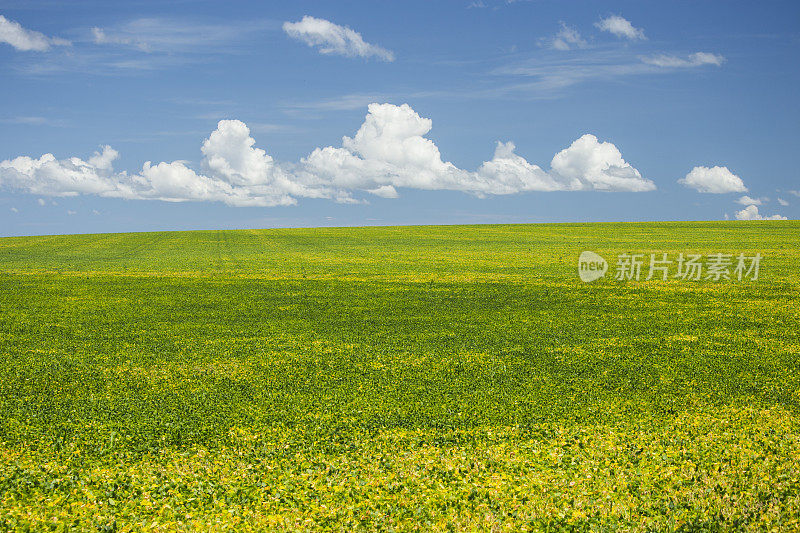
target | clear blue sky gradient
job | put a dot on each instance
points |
(466, 68)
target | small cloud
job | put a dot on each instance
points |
(95, 212)
(331, 38)
(783, 202)
(14, 210)
(746, 200)
(384, 191)
(41, 201)
(620, 27)
(715, 180)
(751, 213)
(26, 40)
(697, 59)
(32, 121)
(99, 36)
(70, 212)
(796, 193)
(567, 38)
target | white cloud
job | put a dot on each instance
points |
(751, 213)
(390, 148)
(620, 27)
(746, 200)
(716, 180)
(33, 121)
(50, 177)
(155, 35)
(41, 201)
(99, 36)
(14, 210)
(696, 59)
(567, 38)
(26, 40)
(783, 202)
(600, 166)
(509, 173)
(331, 38)
(796, 193)
(71, 212)
(384, 191)
(389, 151)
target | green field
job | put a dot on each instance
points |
(399, 378)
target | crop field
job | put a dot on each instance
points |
(442, 378)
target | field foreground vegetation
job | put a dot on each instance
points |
(398, 378)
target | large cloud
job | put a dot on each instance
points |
(390, 148)
(26, 40)
(389, 151)
(716, 180)
(331, 38)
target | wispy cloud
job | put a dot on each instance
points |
(25, 40)
(331, 38)
(347, 102)
(33, 121)
(164, 35)
(567, 38)
(148, 44)
(697, 59)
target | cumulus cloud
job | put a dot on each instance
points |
(390, 148)
(746, 200)
(331, 38)
(716, 180)
(13, 33)
(697, 59)
(783, 202)
(620, 27)
(600, 166)
(568, 38)
(751, 213)
(389, 151)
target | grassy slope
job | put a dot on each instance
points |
(388, 377)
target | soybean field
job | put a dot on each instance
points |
(425, 378)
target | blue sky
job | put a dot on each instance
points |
(616, 110)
